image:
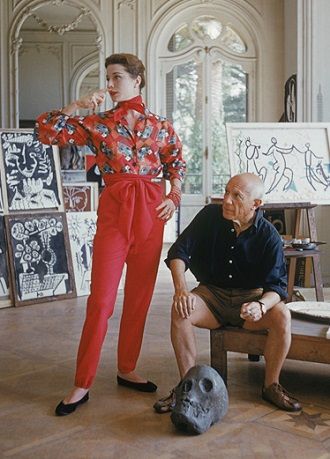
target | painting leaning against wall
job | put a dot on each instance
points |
(5, 299)
(30, 172)
(82, 229)
(80, 196)
(39, 257)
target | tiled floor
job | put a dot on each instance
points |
(38, 346)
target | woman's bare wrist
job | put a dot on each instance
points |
(70, 109)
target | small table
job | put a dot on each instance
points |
(292, 255)
(309, 343)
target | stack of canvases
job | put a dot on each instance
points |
(35, 259)
(80, 203)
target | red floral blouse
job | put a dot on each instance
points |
(152, 147)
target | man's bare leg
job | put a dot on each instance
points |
(183, 336)
(278, 323)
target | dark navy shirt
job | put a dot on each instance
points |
(214, 253)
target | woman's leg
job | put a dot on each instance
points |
(142, 267)
(110, 249)
(108, 262)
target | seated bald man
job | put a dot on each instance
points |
(237, 257)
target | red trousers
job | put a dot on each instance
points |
(128, 230)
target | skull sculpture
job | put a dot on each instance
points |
(201, 400)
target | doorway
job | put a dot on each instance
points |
(206, 83)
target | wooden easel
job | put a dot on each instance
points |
(292, 254)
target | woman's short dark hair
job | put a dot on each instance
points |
(131, 63)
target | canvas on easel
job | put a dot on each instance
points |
(292, 159)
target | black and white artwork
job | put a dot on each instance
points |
(292, 159)
(82, 228)
(1, 200)
(4, 275)
(40, 258)
(31, 172)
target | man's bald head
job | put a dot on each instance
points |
(250, 183)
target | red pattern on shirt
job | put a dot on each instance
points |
(152, 147)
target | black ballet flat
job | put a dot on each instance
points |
(142, 387)
(65, 409)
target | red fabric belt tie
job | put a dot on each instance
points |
(138, 197)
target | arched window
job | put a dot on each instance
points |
(206, 60)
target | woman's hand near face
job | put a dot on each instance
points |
(166, 209)
(93, 100)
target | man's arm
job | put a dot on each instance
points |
(183, 299)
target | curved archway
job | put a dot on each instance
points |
(24, 11)
(86, 65)
(195, 72)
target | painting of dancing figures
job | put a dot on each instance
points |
(292, 159)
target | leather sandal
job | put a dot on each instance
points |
(165, 404)
(278, 396)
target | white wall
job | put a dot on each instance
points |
(290, 38)
(321, 60)
(47, 65)
(315, 69)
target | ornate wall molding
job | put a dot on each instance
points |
(16, 3)
(16, 45)
(25, 9)
(129, 3)
(62, 29)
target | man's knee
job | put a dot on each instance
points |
(176, 319)
(281, 318)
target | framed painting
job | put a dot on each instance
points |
(292, 159)
(39, 257)
(30, 172)
(5, 297)
(82, 228)
(80, 197)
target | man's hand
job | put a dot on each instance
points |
(251, 311)
(184, 303)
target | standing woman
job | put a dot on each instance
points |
(132, 147)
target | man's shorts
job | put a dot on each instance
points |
(225, 303)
